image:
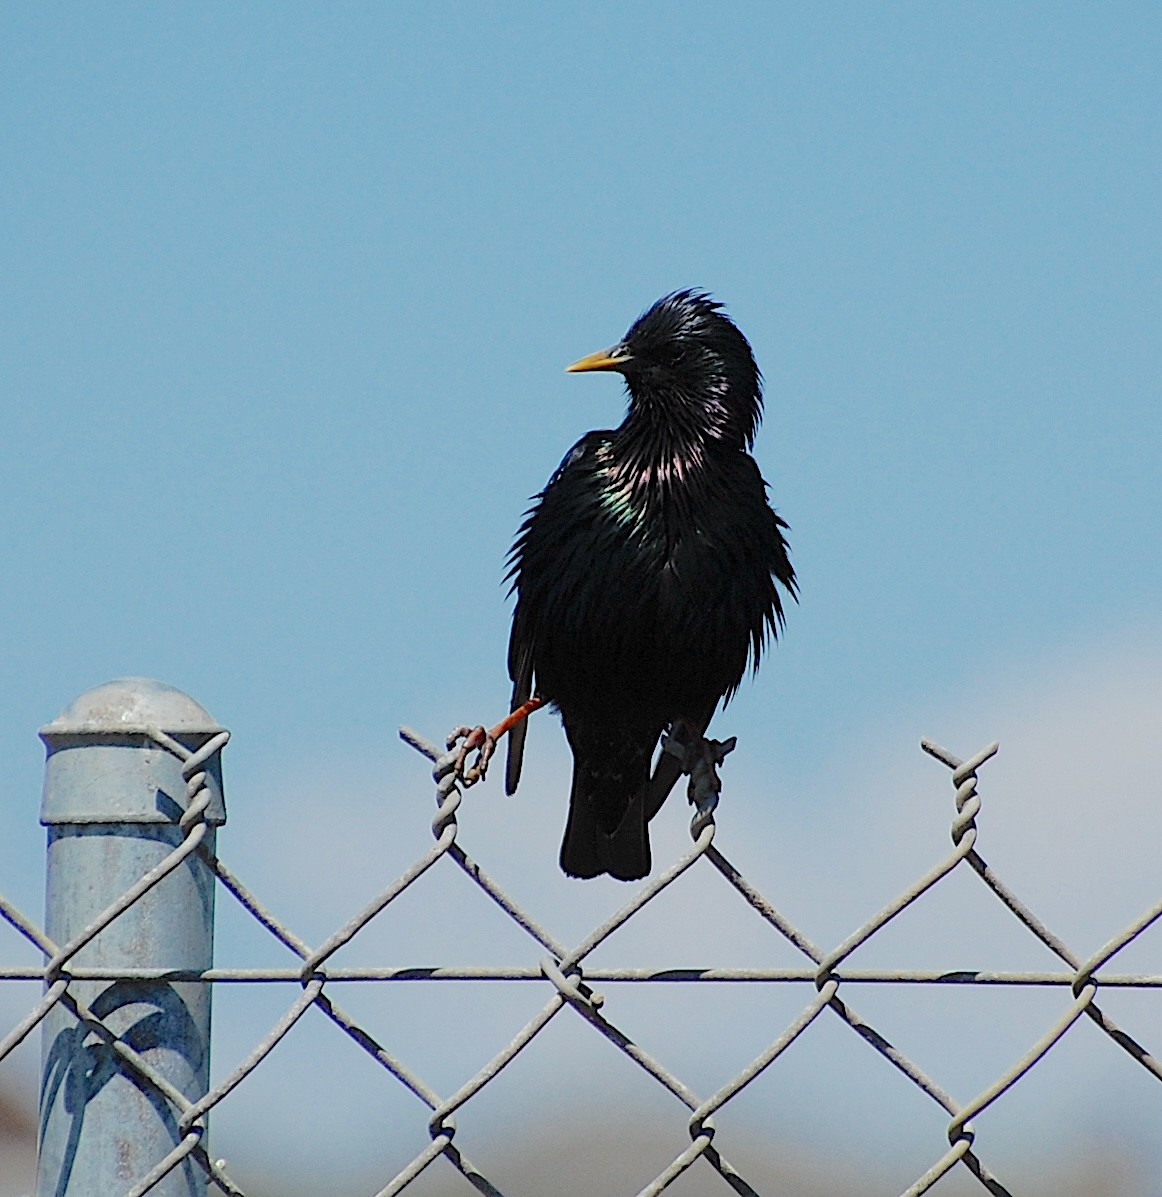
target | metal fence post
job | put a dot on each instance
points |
(113, 795)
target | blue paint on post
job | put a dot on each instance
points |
(112, 800)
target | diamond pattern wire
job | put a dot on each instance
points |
(569, 987)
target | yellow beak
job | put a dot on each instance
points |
(603, 359)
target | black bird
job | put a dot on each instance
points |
(645, 575)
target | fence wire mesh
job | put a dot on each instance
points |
(570, 986)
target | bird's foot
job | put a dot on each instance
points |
(472, 739)
(700, 759)
(483, 741)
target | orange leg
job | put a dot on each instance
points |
(522, 712)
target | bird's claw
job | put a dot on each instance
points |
(700, 759)
(472, 739)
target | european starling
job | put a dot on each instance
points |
(645, 575)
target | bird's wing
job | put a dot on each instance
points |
(520, 667)
(536, 546)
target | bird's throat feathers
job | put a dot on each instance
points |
(665, 450)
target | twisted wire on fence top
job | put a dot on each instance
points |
(561, 968)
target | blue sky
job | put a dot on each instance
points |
(286, 294)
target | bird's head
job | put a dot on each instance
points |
(684, 358)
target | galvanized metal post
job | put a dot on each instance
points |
(113, 796)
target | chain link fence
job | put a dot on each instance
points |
(94, 1006)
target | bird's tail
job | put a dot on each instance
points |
(606, 832)
(590, 851)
